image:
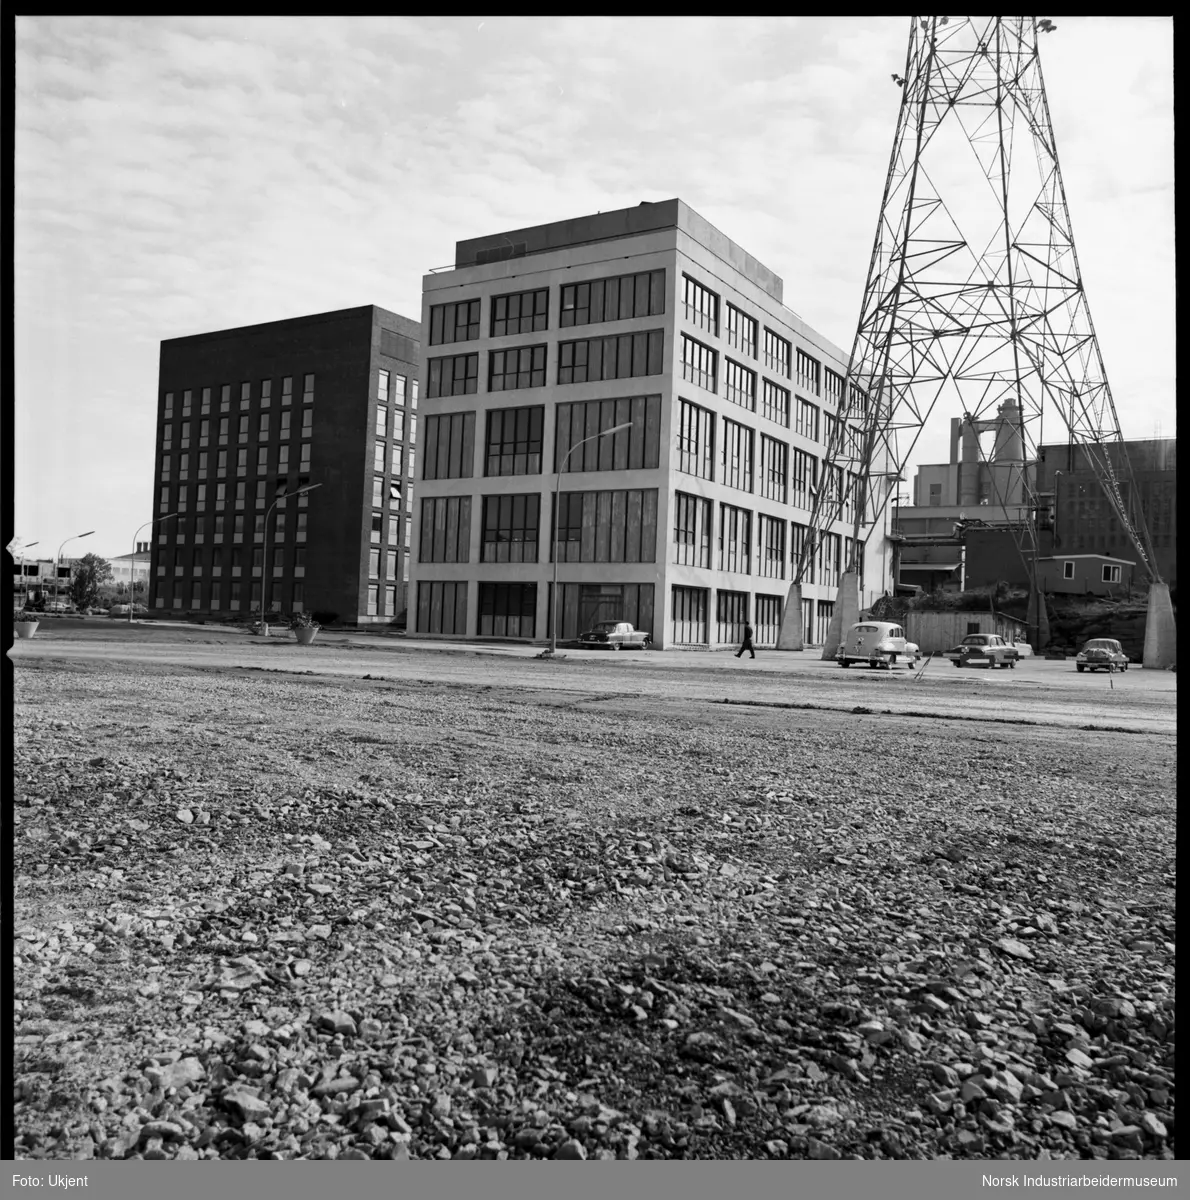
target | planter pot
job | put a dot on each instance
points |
(304, 636)
(26, 629)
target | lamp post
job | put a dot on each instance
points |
(265, 569)
(132, 564)
(58, 557)
(24, 577)
(561, 470)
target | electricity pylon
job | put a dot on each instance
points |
(974, 302)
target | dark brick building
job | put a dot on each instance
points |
(244, 414)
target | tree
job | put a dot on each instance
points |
(90, 573)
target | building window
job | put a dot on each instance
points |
(200, 499)
(394, 527)
(739, 385)
(382, 422)
(637, 448)
(266, 393)
(412, 428)
(399, 383)
(378, 457)
(445, 529)
(449, 450)
(304, 462)
(413, 386)
(774, 469)
(308, 389)
(262, 460)
(399, 423)
(167, 437)
(696, 440)
(807, 372)
(830, 559)
(741, 331)
(169, 404)
(805, 478)
(225, 397)
(771, 540)
(615, 299)
(731, 615)
(510, 528)
(377, 492)
(187, 396)
(624, 356)
(264, 426)
(826, 611)
(307, 422)
(1067, 567)
(373, 563)
(382, 386)
(936, 502)
(282, 459)
(245, 394)
(377, 522)
(700, 305)
(735, 460)
(735, 539)
(456, 322)
(774, 403)
(287, 390)
(520, 312)
(807, 419)
(442, 606)
(373, 595)
(859, 402)
(390, 565)
(507, 610)
(1111, 574)
(454, 376)
(692, 531)
(243, 429)
(513, 445)
(833, 387)
(776, 353)
(185, 435)
(299, 595)
(163, 500)
(611, 526)
(165, 468)
(284, 431)
(698, 363)
(520, 368)
(689, 616)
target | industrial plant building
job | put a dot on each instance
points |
(689, 518)
(245, 416)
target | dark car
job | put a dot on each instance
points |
(1101, 654)
(615, 635)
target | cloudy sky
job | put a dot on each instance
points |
(187, 174)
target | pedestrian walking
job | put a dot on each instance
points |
(747, 642)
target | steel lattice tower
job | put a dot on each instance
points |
(974, 301)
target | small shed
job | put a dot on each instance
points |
(935, 632)
(1084, 574)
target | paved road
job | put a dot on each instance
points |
(1037, 692)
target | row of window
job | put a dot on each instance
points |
(237, 559)
(230, 595)
(266, 491)
(392, 388)
(280, 462)
(618, 298)
(625, 356)
(594, 526)
(751, 543)
(225, 390)
(790, 478)
(218, 526)
(691, 626)
(222, 430)
(510, 609)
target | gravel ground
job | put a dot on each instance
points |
(267, 916)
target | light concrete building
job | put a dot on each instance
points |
(131, 567)
(686, 521)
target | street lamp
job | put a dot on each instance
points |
(265, 569)
(561, 470)
(58, 556)
(24, 577)
(132, 563)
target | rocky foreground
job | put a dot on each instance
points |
(261, 917)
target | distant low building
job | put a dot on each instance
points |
(134, 567)
(1085, 574)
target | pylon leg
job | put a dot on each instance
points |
(791, 635)
(1161, 634)
(846, 613)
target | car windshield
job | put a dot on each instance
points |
(977, 639)
(606, 627)
(1100, 644)
(867, 629)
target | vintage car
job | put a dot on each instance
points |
(118, 610)
(1101, 654)
(615, 635)
(984, 650)
(877, 643)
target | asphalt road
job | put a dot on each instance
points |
(1037, 692)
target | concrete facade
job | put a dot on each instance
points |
(245, 413)
(693, 586)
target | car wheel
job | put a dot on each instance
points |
(615, 645)
(844, 662)
(958, 662)
(1013, 664)
(1080, 668)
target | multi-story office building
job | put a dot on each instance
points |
(245, 414)
(688, 520)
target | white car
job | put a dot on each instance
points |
(877, 643)
(615, 635)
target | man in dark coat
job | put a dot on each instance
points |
(747, 642)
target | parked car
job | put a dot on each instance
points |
(1101, 654)
(59, 606)
(615, 635)
(877, 643)
(118, 610)
(983, 650)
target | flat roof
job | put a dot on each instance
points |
(1102, 558)
(645, 217)
(374, 311)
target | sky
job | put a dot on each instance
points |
(180, 175)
